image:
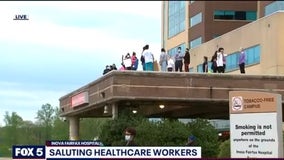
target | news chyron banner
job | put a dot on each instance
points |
(55, 150)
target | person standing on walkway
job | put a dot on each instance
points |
(149, 59)
(205, 64)
(214, 63)
(163, 60)
(220, 60)
(171, 64)
(242, 60)
(142, 59)
(134, 61)
(127, 61)
(186, 60)
(178, 60)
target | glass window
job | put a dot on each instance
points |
(216, 35)
(196, 42)
(253, 55)
(200, 68)
(251, 15)
(228, 15)
(176, 18)
(173, 51)
(235, 15)
(249, 56)
(196, 19)
(273, 7)
(240, 15)
(257, 54)
(232, 60)
(209, 66)
(181, 26)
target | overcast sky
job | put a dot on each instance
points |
(65, 45)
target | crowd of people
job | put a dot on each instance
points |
(131, 62)
(179, 62)
(219, 61)
(109, 68)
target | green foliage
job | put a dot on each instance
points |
(167, 132)
(13, 124)
(93, 126)
(161, 133)
(18, 132)
(112, 130)
(60, 129)
(5, 151)
(225, 151)
(142, 133)
(45, 117)
(4, 148)
(14, 120)
(207, 137)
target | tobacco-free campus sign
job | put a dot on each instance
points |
(255, 124)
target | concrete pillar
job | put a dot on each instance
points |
(74, 125)
(114, 110)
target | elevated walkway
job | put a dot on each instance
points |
(184, 95)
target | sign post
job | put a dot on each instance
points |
(255, 124)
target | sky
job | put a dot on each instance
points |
(65, 45)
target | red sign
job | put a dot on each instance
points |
(79, 99)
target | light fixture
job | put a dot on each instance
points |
(106, 109)
(162, 106)
(134, 111)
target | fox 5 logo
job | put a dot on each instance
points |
(30, 152)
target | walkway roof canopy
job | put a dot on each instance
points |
(183, 95)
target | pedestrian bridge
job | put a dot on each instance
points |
(183, 95)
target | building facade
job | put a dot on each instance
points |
(256, 31)
(266, 8)
(261, 40)
(187, 24)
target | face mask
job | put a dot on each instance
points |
(127, 137)
(179, 50)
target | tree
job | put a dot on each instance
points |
(27, 130)
(91, 127)
(161, 133)
(225, 151)
(112, 130)
(60, 127)
(207, 136)
(13, 120)
(13, 123)
(168, 132)
(45, 118)
(149, 133)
